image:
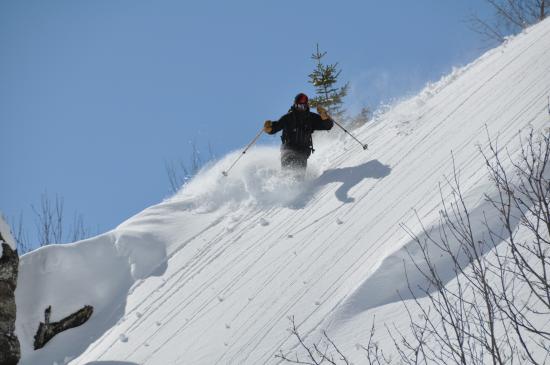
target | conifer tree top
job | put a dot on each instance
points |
(325, 78)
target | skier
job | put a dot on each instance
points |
(297, 126)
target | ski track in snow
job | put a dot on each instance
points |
(235, 269)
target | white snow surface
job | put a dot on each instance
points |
(6, 234)
(210, 275)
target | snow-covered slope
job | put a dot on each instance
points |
(211, 275)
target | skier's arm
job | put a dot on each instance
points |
(320, 124)
(274, 127)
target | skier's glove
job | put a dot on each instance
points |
(267, 126)
(322, 112)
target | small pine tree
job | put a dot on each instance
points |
(324, 79)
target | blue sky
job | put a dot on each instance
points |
(95, 96)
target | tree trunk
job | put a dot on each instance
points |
(46, 330)
(10, 351)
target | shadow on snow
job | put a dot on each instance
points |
(348, 176)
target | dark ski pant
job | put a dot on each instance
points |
(294, 159)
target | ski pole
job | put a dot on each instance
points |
(244, 151)
(365, 146)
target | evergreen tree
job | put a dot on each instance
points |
(324, 78)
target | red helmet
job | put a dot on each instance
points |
(301, 102)
(301, 98)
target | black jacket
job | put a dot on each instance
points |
(297, 127)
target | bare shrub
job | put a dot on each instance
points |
(324, 351)
(51, 225)
(510, 17)
(179, 172)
